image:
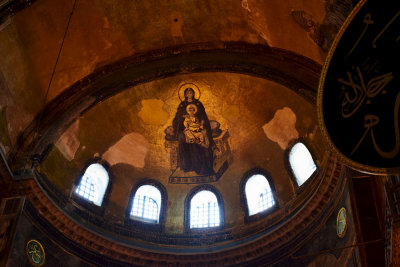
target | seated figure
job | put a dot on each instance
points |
(194, 130)
(194, 133)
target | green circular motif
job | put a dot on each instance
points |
(35, 253)
(341, 223)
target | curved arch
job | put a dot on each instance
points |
(93, 187)
(294, 231)
(147, 205)
(284, 67)
(258, 195)
(301, 162)
(93, 184)
(204, 209)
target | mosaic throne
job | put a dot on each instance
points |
(222, 159)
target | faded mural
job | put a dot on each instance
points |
(324, 33)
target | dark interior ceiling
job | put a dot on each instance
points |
(116, 85)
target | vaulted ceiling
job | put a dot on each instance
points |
(104, 82)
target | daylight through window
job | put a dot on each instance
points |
(301, 162)
(204, 210)
(146, 204)
(258, 194)
(93, 184)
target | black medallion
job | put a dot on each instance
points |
(359, 92)
(35, 253)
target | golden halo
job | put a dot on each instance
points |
(182, 88)
(191, 105)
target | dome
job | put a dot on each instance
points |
(170, 132)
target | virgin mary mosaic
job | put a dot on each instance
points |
(198, 149)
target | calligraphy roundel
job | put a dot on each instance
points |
(341, 223)
(359, 90)
(35, 253)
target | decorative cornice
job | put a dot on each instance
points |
(268, 239)
(9, 8)
(269, 245)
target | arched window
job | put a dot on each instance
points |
(204, 210)
(93, 184)
(146, 204)
(301, 163)
(259, 195)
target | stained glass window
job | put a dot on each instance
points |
(93, 184)
(146, 204)
(258, 194)
(301, 162)
(204, 210)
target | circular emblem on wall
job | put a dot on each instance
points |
(35, 253)
(341, 223)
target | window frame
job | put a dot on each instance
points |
(86, 204)
(300, 188)
(131, 222)
(188, 199)
(243, 197)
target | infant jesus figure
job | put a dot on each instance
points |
(194, 129)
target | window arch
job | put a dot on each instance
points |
(204, 208)
(301, 163)
(257, 194)
(93, 184)
(146, 204)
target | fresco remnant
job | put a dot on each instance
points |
(69, 143)
(282, 128)
(131, 149)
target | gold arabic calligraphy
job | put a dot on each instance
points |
(358, 91)
(368, 21)
(384, 29)
(35, 253)
(355, 94)
(371, 120)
